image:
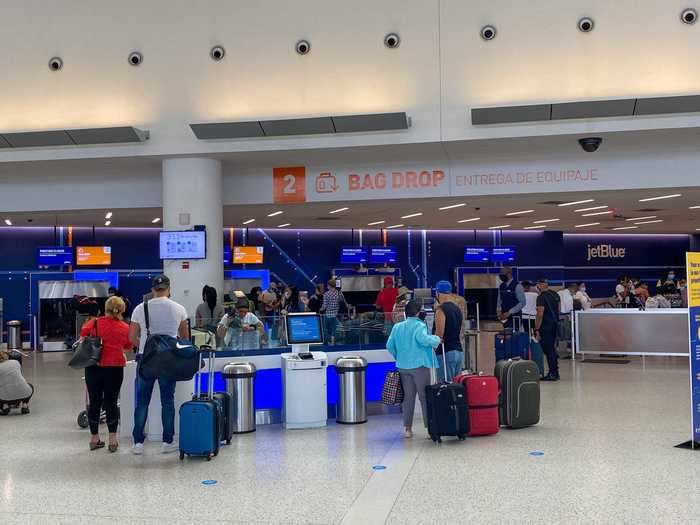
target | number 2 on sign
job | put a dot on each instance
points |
(289, 184)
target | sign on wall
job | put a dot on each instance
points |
(289, 185)
(693, 269)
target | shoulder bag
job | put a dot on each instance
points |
(87, 350)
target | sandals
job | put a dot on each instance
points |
(95, 446)
(25, 410)
(113, 448)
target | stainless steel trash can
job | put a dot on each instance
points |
(14, 335)
(352, 400)
(239, 379)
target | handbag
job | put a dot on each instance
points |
(392, 391)
(87, 350)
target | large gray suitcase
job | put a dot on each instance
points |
(519, 403)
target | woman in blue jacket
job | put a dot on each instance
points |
(412, 348)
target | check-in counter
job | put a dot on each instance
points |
(661, 332)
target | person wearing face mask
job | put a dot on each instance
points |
(582, 297)
(511, 298)
(546, 327)
(668, 287)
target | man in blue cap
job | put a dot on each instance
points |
(448, 327)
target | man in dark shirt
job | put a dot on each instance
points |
(546, 327)
(448, 327)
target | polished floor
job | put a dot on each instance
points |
(607, 436)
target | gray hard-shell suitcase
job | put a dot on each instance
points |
(519, 404)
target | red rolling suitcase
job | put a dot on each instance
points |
(482, 402)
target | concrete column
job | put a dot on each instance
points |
(192, 195)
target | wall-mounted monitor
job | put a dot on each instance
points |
(248, 254)
(227, 254)
(303, 329)
(382, 255)
(354, 255)
(54, 256)
(93, 255)
(183, 244)
(502, 254)
(477, 254)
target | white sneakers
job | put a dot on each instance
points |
(165, 448)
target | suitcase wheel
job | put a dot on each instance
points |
(83, 419)
(462, 437)
(182, 456)
(228, 441)
(209, 456)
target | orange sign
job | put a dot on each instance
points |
(94, 255)
(289, 185)
(247, 255)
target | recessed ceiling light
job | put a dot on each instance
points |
(452, 206)
(543, 221)
(338, 210)
(394, 226)
(625, 228)
(469, 220)
(156, 220)
(574, 203)
(375, 223)
(284, 225)
(650, 222)
(249, 221)
(661, 197)
(499, 227)
(108, 215)
(535, 227)
(586, 225)
(694, 207)
(591, 209)
(107, 223)
(8, 222)
(522, 212)
(275, 213)
(642, 218)
(597, 213)
(411, 215)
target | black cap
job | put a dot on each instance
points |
(160, 282)
(543, 280)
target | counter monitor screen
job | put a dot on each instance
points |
(248, 254)
(93, 255)
(502, 254)
(227, 255)
(304, 329)
(183, 245)
(476, 254)
(353, 255)
(382, 255)
(54, 256)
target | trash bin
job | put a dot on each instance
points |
(14, 335)
(239, 379)
(352, 401)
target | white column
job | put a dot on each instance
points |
(192, 194)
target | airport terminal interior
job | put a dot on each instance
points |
(398, 262)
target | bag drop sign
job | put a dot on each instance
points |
(605, 251)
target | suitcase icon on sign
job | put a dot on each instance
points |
(326, 183)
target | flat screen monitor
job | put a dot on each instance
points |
(476, 254)
(304, 329)
(93, 255)
(248, 254)
(227, 255)
(502, 254)
(183, 244)
(354, 255)
(54, 256)
(382, 255)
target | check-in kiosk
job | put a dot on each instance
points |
(304, 385)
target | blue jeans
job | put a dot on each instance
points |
(454, 365)
(144, 389)
(330, 325)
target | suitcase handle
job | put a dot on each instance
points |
(444, 362)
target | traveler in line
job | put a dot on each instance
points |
(449, 324)
(511, 298)
(14, 389)
(412, 348)
(530, 309)
(316, 300)
(166, 317)
(291, 303)
(104, 380)
(208, 312)
(386, 299)
(546, 327)
(582, 296)
(241, 330)
(398, 313)
(332, 300)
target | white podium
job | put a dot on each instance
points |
(304, 389)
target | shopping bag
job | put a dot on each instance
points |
(392, 392)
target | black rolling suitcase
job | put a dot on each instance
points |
(519, 404)
(224, 398)
(447, 409)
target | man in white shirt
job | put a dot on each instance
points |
(244, 323)
(566, 308)
(530, 308)
(165, 317)
(566, 299)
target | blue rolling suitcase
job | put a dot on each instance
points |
(201, 420)
(512, 344)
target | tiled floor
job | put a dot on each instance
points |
(607, 433)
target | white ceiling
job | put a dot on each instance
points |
(491, 211)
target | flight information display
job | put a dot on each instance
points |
(502, 254)
(54, 256)
(183, 244)
(248, 254)
(94, 255)
(354, 255)
(477, 254)
(382, 255)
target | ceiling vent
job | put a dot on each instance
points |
(649, 210)
(553, 203)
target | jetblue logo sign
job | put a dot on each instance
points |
(605, 251)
